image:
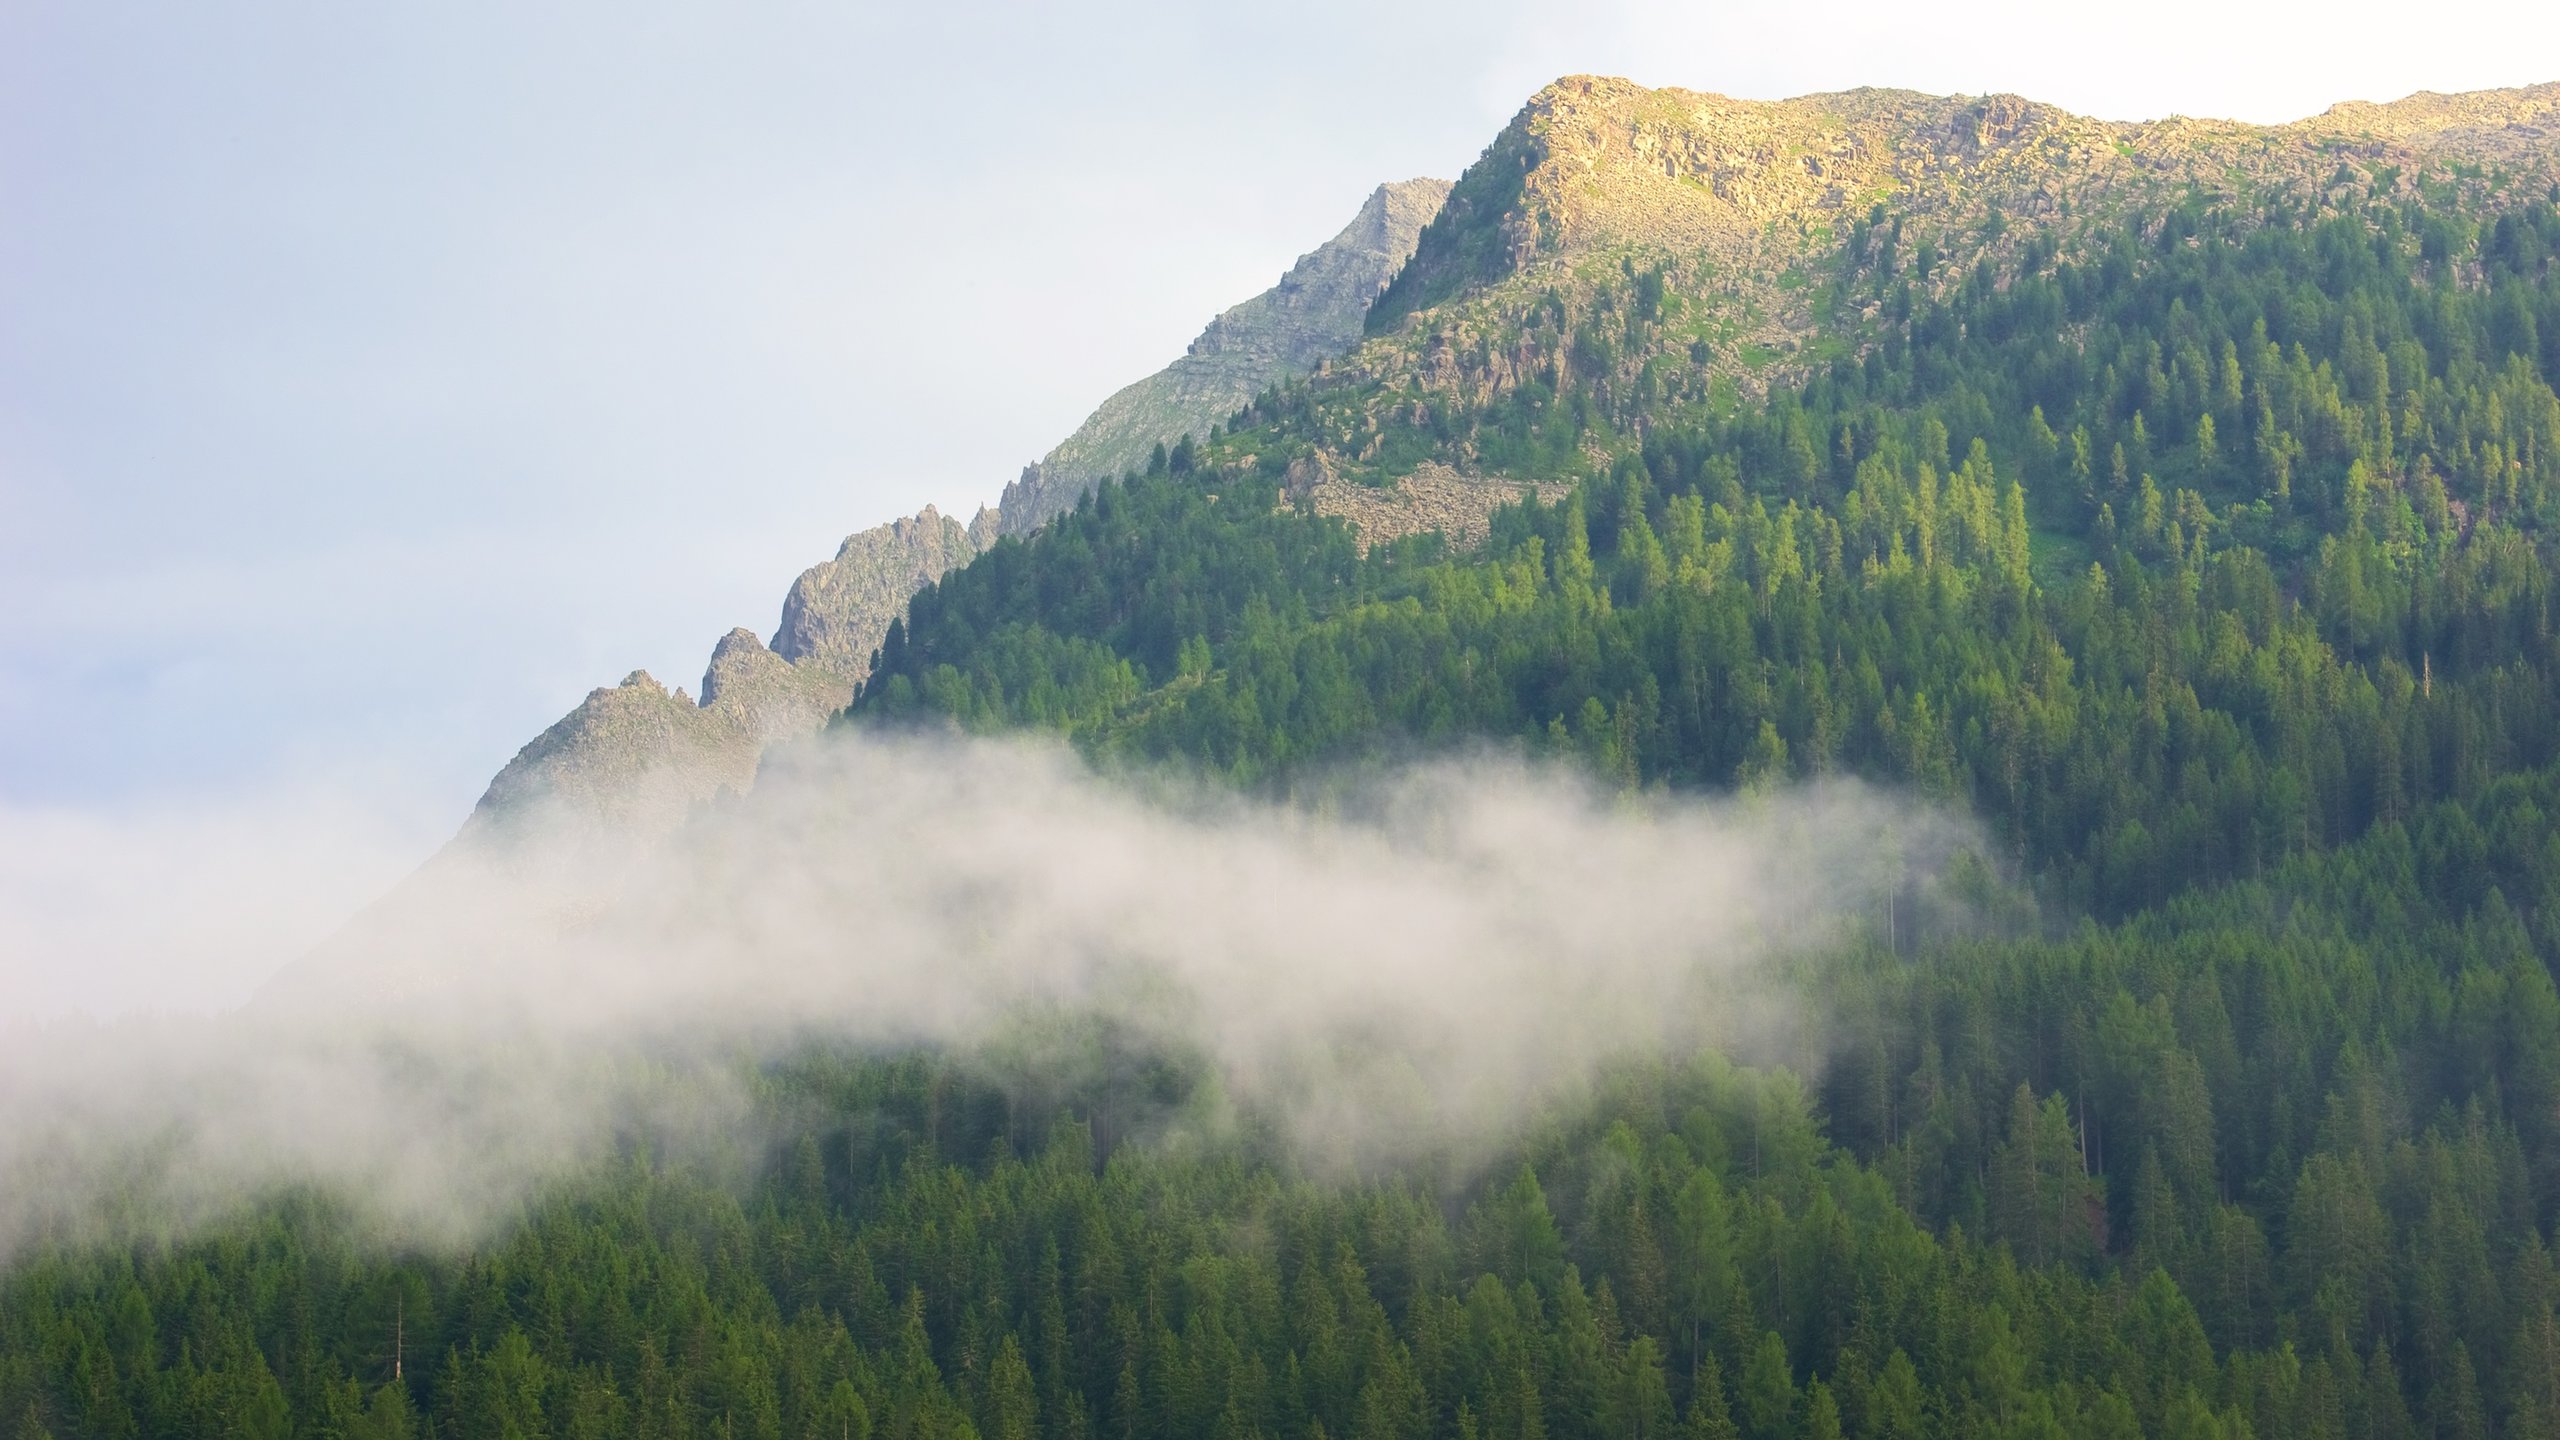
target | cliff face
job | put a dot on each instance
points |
(838, 612)
(1313, 315)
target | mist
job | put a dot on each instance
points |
(186, 903)
(1397, 966)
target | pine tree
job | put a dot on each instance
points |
(1013, 1407)
(1768, 1391)
(1709, 1418)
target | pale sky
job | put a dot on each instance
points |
(374, 380)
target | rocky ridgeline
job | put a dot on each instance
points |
(1470, 291)
(637, 756)
(641, 757)
(1313, 315)
(838, 612)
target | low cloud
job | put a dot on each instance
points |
(1396, 968)
(187, 906)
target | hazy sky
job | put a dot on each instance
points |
(376, 379)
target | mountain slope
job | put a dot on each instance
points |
(2338, 369)
(2182, 501)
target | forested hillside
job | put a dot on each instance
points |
(2203, 549)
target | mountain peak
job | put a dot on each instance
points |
(737, 657)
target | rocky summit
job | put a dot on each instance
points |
(1734, 209)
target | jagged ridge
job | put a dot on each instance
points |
(838, 611)
(636, 755)
(1314, 314)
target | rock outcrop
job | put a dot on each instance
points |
(1313, 315)
(838, 611)
(1433, 497)
(639, 757)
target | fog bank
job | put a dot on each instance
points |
(1396, 969)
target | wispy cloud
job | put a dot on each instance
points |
(1398, 968)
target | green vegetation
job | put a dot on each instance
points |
(2207, 558)
(2336, 615)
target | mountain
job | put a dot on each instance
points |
(635, 754)
(2178, 501)
(2173, 509)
